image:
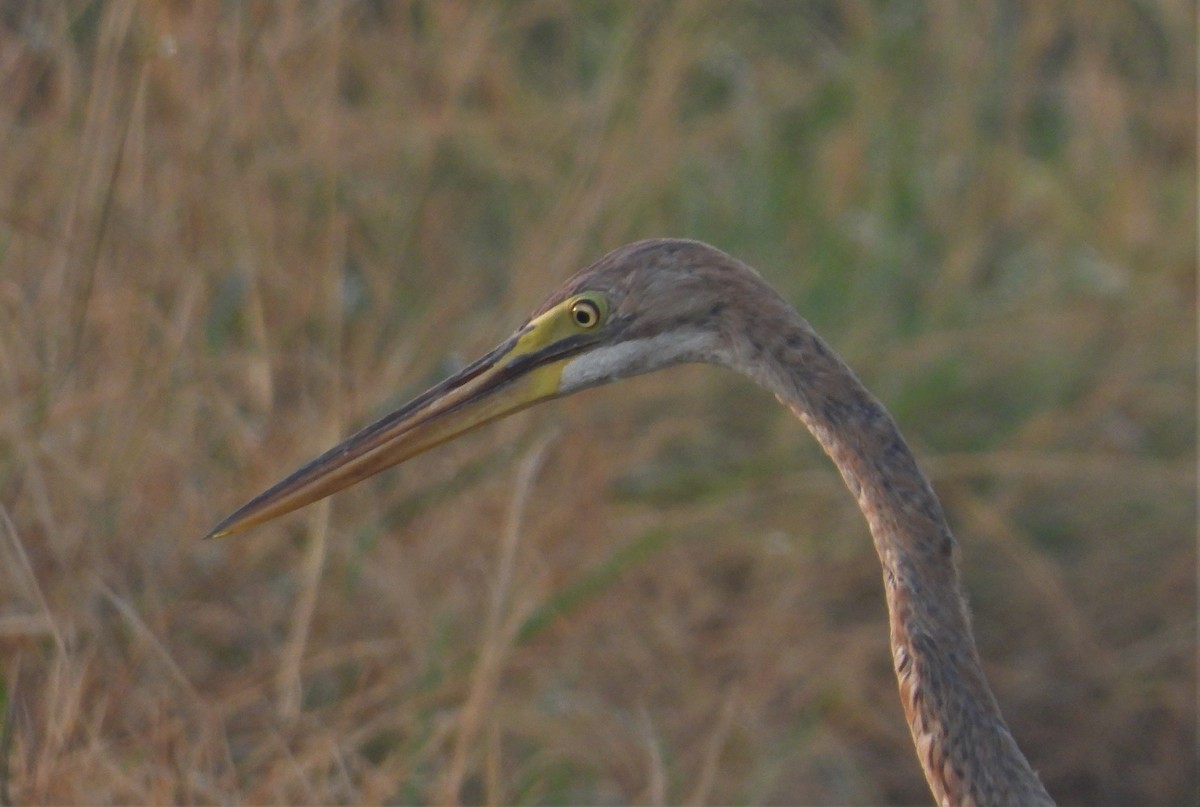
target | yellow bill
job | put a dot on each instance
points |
(523, 371)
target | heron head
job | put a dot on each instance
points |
(644, 306)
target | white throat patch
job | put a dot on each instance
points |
(637, 356)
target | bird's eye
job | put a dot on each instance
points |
(585, 313)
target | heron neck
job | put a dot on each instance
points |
(962, 742)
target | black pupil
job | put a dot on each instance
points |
(584, 314)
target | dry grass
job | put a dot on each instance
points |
(231, 232)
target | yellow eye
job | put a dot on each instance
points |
(585, 313)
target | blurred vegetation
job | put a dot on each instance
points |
(231, 232)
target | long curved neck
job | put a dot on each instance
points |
(963, 744)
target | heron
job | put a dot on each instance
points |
(662, 302)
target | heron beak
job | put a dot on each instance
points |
(523, 371)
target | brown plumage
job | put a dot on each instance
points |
(664, 302)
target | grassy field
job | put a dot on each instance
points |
(230, 233)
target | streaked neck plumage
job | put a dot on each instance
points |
(967, 751)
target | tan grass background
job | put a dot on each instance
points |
(232, 232)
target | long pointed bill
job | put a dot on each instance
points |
(519, 373)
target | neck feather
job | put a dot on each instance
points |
(963, 744)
